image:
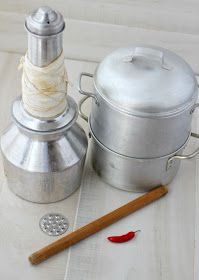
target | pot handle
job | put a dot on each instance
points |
(88, 94)
(181, 157)
(143, 51)
(151, 53)
(81, 113)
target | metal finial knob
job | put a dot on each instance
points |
(45, 22)
(44, 27)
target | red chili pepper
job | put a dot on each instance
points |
(122, 238)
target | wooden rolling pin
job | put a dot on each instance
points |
(97, 225)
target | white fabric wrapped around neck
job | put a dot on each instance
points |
(44, 89)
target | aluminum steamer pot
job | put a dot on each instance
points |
(143, 101)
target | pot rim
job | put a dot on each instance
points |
(129, 157)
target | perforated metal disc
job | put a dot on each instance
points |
(54, 224)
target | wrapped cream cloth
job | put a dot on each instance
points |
(44, 89)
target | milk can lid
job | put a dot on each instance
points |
(146, 81)
(45, 22)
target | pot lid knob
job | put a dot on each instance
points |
(148, 53)
(45, 22)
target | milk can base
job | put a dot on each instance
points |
(40, 201)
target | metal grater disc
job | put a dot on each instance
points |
(54, 224)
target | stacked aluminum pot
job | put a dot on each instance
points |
(44, 158)
(143, 101)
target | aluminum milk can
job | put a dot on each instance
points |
(44, 158)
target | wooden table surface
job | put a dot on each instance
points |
(176, 222)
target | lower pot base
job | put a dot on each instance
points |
(132, 174)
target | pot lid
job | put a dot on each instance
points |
(146, 80)
(45, 22)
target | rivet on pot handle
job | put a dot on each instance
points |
(181, 157)
(194, 107)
